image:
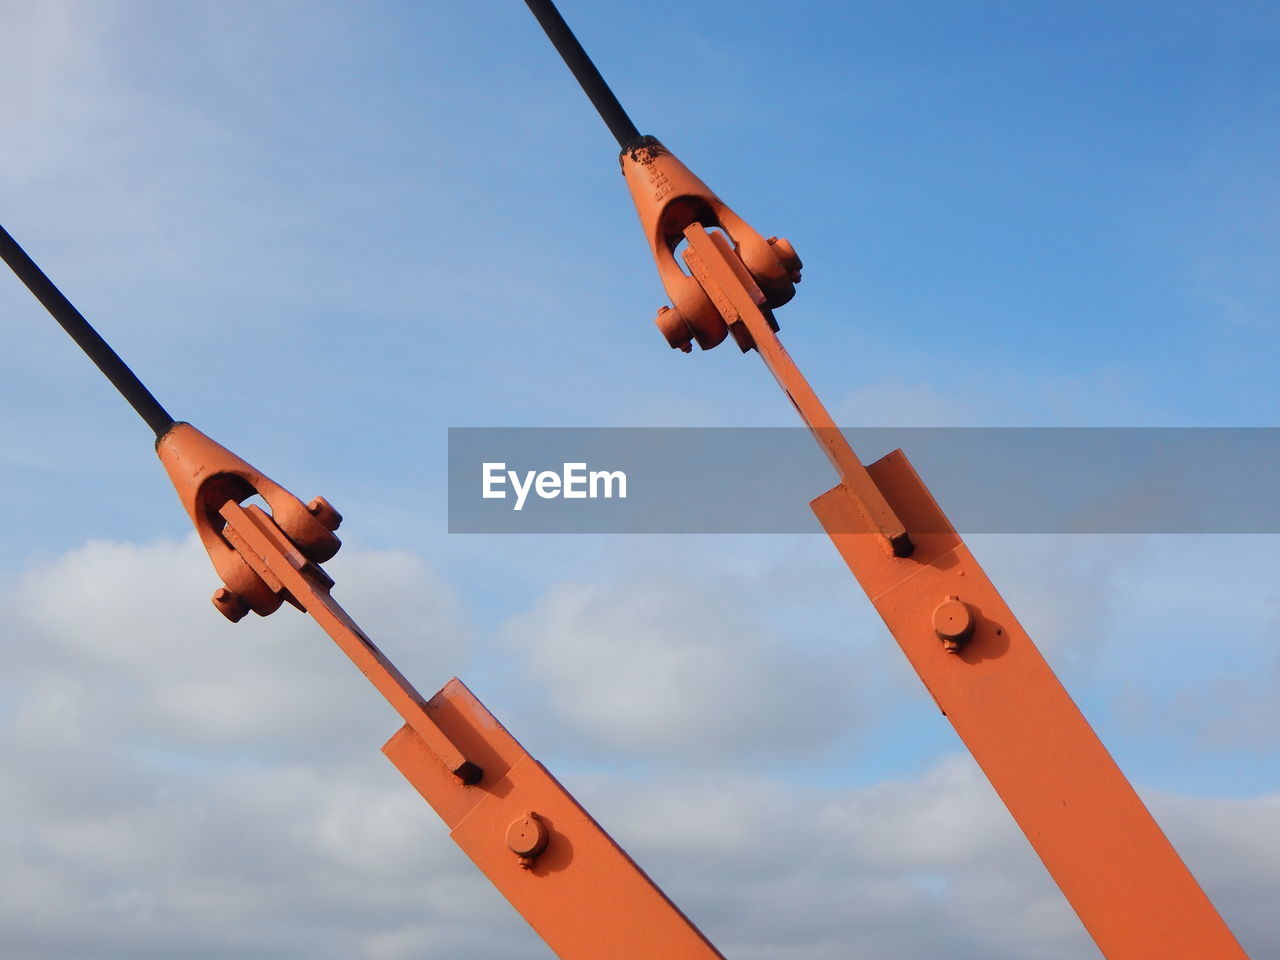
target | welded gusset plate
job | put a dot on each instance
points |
(1110, 858)
(581, 892)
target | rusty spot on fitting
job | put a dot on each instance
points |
(527, 837)
(953, 623)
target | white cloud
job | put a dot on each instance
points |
(1233, 849)
(672, 663)
(265, 824)
(123, 640)
(176, 786)
(918, 868)
(182, 786)
(1062, 588)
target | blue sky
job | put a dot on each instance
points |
(325, 233)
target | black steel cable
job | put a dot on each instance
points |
(576, 59)
(88, 339)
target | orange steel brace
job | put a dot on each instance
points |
(752, 277)
(573, 884)
(1115, 866)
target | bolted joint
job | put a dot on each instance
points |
(230, 604)
(786, 255)
(322, 510)
(527, 837)
(953, 623)
(674, 327)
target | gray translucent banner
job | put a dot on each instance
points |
(987, 480)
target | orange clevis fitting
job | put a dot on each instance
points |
(669, 198)
(207, 475)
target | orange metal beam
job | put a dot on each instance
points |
(255, 536)
(574, 885)
(583, 895)
(1102, 847)
(740, 302)
(567, 877)
(725, 285)
(1115, 866)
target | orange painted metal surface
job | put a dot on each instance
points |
(669, 198)
(740, 302)
(206, 475)
(1103, 848)
(581, 892)
(1115, 866)
(734, 290)
(574, 885)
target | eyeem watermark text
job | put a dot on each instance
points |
(573, 482)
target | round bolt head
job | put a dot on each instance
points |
(527, 836)
(787, 255)
(673, 326)
(323, 511)
(953, 623)
(229, 604)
